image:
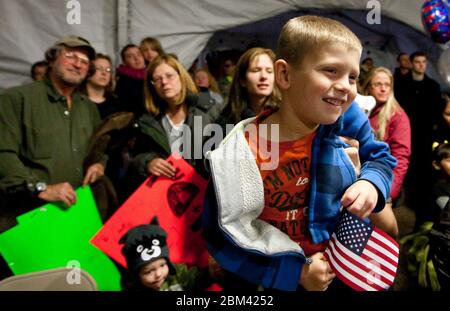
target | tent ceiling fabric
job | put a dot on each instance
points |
(178, 20)
(29, 27)
(381, 42)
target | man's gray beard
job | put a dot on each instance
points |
(67, 82)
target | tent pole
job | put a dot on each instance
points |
(123, 23)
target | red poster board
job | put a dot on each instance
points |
(178, 204)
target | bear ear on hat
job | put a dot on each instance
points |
(155, 221)
(123, 238)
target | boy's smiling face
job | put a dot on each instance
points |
(322, 87)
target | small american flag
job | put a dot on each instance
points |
(362, 256)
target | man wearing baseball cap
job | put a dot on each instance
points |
(45, 128)
(77, 42)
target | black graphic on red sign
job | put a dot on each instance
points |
(180, 195)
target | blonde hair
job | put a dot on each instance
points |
(239, 99)
(305, 34)
(213, 86)
(154, 104)
(390, 107)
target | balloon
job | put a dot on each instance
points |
(435, 19)
(447, 3)
(444, 67)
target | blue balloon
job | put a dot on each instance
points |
(446, 3)
(435, 19)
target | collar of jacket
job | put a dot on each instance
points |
(55, 96)
(194, 102)
(240, 201)
(152, 125)
(137, 74)
(202, 101)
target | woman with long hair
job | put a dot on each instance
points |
(99, 86)
(172, 102)
(253, 88)
(206, 83)
(390, 122)
(151, 48)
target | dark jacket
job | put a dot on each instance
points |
(110, 139)
(421, 102)
(130, 92)
(109, 106)
(152, 141)
(440, 234)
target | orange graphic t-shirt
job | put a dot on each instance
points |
(286, 188)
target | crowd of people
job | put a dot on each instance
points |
(83, 122)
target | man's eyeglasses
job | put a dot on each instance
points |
(158, 80)
(104, 69)
(379, 84)
(74, 57)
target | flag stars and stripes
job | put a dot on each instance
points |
(361, 255)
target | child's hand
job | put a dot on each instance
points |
(353, 152)
(318, 275)
(360, 198)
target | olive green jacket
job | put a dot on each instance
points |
(41, 139)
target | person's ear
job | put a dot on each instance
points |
(282, 74)
(155, 221)
(436, 166)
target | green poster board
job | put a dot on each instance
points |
(52, 236)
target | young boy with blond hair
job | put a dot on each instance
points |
(271, 227)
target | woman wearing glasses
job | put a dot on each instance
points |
(172, 103)
(99, 86)
(390, 122)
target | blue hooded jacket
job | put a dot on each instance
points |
(259, 252)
